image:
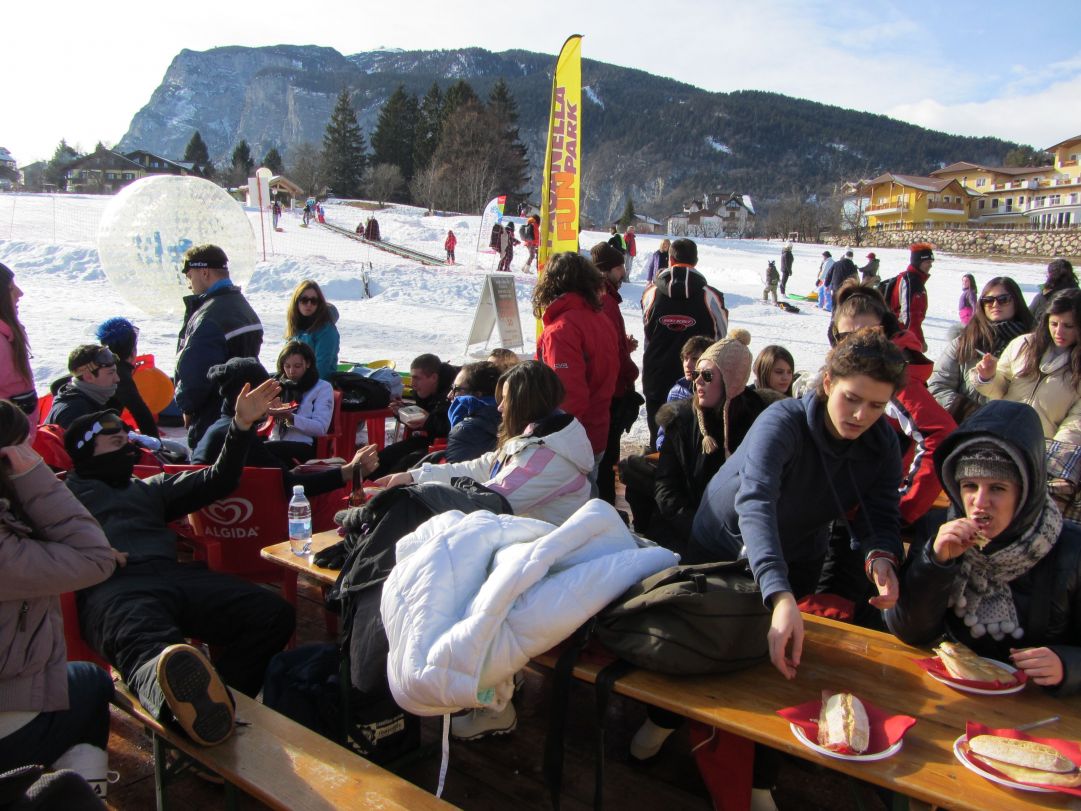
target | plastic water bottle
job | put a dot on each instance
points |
(148, 442)
(300, 522)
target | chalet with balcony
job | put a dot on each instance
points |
(717, 214)
(103, 171)
(912, 201)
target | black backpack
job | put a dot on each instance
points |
(525, 231)
(360, 393)
(885, 287)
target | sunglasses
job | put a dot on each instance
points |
(1001, 298)
(457, 389)
(308, 300)
(705, 374)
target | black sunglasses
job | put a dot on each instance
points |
(704, 374)
(308, 300)
(1001, 298)
(456, 389)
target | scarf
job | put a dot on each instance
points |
(294, 390)
(1004, 332)
(466, 406)
(113, 468)
(981, 594)
(99, 394)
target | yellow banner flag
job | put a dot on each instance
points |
(563, 157)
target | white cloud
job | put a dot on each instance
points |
(1041, 118)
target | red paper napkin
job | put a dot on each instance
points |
(1069, 749)
(934, 666)
(886, 729)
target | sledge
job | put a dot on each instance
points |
(797, 297)
(788, 308)
(280, 230)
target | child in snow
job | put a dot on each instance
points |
(449, 246)
(773, 278)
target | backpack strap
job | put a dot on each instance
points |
(557, 717)
(606, 682)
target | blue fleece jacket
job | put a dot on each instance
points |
(788, 481)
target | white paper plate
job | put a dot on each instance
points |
(801, 736)
(983, 691)
(972, 765)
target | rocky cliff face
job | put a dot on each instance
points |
(652, 139)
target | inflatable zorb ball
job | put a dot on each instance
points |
(148, 226)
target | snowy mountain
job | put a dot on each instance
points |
(657, 140)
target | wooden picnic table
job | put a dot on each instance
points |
(837, 656)
(282, 554)
(880, 669)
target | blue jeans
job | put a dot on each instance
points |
(51, 734)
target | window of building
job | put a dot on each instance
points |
(980, 181)
(994, 203)
(1020, 201)
(1009, 204)
(1056, 199)
(982, 203)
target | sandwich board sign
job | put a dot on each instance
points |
(497, 309)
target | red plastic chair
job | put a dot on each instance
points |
(45, 405)
(49, 443)
(350, 422)
(327, 446)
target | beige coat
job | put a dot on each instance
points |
(1056, 400)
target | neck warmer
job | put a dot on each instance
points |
(114, 468)
(1004, 332)
(981, 595)
(99, 394)
(466, 406)
(304, 322)
(295, 389)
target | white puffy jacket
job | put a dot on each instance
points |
(473, 597)
(543, 473)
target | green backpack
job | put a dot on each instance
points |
(707, 618)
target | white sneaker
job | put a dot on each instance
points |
(648, 740)
(90, 763)
(484, 721)
(762, 800)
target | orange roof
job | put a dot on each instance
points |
(965, 166)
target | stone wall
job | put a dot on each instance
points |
(980, 242)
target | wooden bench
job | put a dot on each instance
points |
(878, 668)
(281, 763)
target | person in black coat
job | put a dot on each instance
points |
(474, 414)
(219, 324)
(92, 386)
(1019, 598)
(843, 270)
(431, 381)
(1060, 276)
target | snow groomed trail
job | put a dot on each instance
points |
(389, 247)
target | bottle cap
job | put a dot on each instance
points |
(298, 489)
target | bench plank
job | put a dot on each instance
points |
(288, 766)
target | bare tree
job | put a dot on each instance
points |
(426, 184)
(384, 181)
(852, 211)
(306, 166)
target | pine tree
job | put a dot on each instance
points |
(392, 141)
(272, 160)
(241, 160)
(458, 94)
(429, 124)
(628, 213)
(344, 152)
(510, 164)
(58, 164)
(197, 154)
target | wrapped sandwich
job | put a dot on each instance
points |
(1026, 761)
(842, 723)
(962, 663)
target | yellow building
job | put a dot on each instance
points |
(1004, 192)
(1056, 202)
(910, 201)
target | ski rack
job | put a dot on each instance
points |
(389, 247)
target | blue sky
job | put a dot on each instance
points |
(971, 68)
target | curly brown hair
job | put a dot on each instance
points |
(568, 273)
(866, 352)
